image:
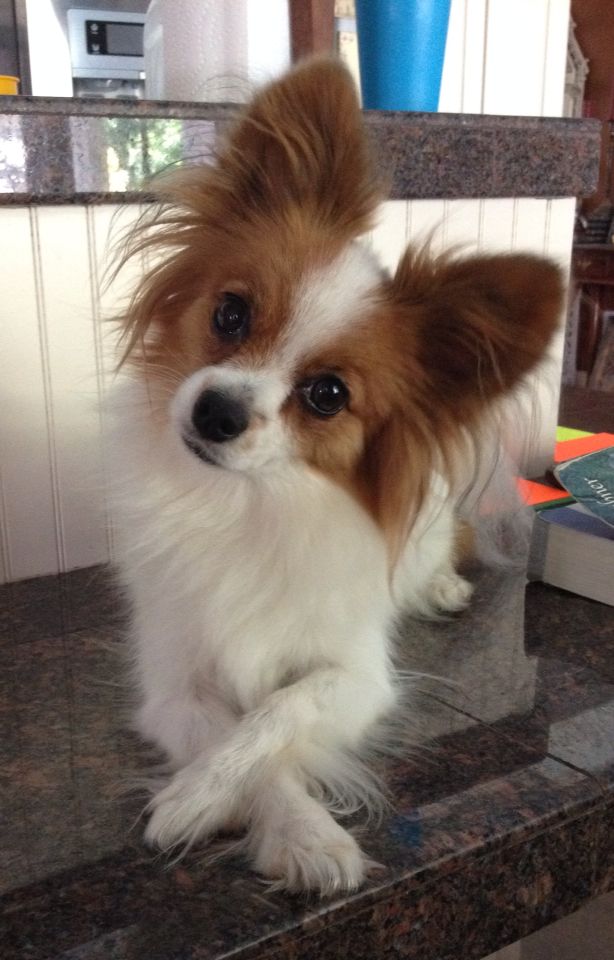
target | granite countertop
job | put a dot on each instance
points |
(62, 150)
(501, 821)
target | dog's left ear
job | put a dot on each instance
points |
(467, 331)
(476, 326)
(301, 143)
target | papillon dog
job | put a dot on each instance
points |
(287, 438)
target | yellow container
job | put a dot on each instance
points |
(9, 85)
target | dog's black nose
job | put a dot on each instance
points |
(218, 417)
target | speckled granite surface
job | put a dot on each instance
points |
(58, 150)
(502, 822)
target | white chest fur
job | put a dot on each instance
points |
(248, 582)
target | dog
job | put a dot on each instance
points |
(288, 437)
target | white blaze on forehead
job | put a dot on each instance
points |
(329, 301)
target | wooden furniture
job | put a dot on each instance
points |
(586, 409)
(593, 272)
(312, 27)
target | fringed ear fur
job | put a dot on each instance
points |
(477, 325)
(468, 331)
(398, 471)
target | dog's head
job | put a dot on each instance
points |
(275, 338)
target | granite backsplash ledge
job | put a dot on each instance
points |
(62, 150)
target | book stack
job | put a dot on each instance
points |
(573, 533)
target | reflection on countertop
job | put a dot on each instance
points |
(61, 150)
(501, 820)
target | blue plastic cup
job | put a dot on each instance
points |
(401, 46)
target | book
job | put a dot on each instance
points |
(543, 493)
(573, 550)
(590, 481)
(568, 447)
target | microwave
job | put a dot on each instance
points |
(106, 52)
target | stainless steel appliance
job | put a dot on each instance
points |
(106, 52)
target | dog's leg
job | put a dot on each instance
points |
(185, 724)
(294, 840)
(448, 591)
(331, 706)
(426, 582)
(185, 719)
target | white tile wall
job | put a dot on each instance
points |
(55, 355)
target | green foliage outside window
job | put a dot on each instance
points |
(138, 148)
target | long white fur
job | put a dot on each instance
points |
(262, 617)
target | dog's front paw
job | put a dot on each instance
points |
(189, 809)
(449, 592)
(311, 854)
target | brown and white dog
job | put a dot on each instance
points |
(287, 440)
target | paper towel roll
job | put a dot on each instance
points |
(214, 50)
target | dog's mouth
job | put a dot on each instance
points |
(199, 451)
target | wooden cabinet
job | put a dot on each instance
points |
(593, 272)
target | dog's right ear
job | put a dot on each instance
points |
(300, 144)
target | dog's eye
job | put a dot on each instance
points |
(325, 395)
(231, 317)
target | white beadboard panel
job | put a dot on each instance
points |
(389, 236)
(426, 223)
(505, 57)
(555, 58)
(451, 92)
(30, 523)
(462, 81)
(474, 42)
(530, 218)
(56, 360)
(524, 69)
(497, 224)
(105, 305)
(71, 319)
(502, 224)
(108, 227)
(559, 232)
(514, 64)
(57, 356)
(462, 225)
